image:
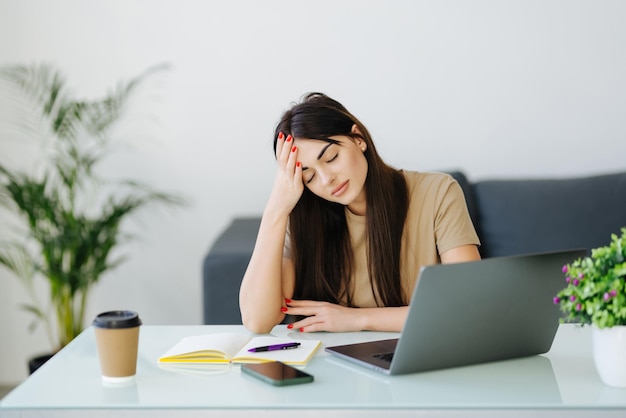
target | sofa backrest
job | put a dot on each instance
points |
(527, 216)
(224, 267)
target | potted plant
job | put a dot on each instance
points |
(595, 294)
(68, 216)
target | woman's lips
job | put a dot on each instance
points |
(342, 188)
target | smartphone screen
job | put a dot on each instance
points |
(276, 373)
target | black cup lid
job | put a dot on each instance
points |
(117, 319)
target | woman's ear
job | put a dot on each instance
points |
(359, 137)
(355, 131)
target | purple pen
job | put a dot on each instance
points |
(275, 347)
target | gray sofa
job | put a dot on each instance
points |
(513, 216)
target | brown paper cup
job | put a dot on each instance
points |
(117, 339)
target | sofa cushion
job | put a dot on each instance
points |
(527, 216)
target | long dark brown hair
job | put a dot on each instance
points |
(320, 241)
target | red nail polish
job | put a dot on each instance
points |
(298, 164)
(293, 149)
(289, 326)
(289, 138)
(287, 300)
(301, 330)
(283, 309)
(281, 136)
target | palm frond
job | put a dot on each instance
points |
(45, 89)
(41, 83)
(73, 244)
(17, 259)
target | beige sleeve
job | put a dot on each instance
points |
(453, 225)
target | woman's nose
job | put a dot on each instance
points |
(327, 178)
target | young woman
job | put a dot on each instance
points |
(343, 235)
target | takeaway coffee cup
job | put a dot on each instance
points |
(117, 339)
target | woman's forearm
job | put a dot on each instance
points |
(261, 292)
(384, 319)
(326, 316)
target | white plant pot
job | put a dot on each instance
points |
(609, 354)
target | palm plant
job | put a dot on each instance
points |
(71, 227)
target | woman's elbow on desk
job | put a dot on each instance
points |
(258, 325)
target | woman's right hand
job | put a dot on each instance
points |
(288, 186)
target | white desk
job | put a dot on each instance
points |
(562, 383)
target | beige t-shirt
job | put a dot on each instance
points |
(437, 221)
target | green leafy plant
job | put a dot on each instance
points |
(70, 221)
(596, 290)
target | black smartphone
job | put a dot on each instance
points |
(276, 373)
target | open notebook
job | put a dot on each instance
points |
(220, 348)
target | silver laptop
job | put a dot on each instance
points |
(475, 312)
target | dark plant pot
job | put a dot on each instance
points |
(37, 362)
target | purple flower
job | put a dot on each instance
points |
(572, 298)
(609, 295)
(579, 306)
(556, 300)
(564, 269)
(575, 282)
(580, 275)
(568, 279)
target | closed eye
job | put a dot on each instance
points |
(313, 175)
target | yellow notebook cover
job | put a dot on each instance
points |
(233, 348)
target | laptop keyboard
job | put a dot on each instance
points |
(384, 356)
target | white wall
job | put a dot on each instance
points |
(496, 88)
